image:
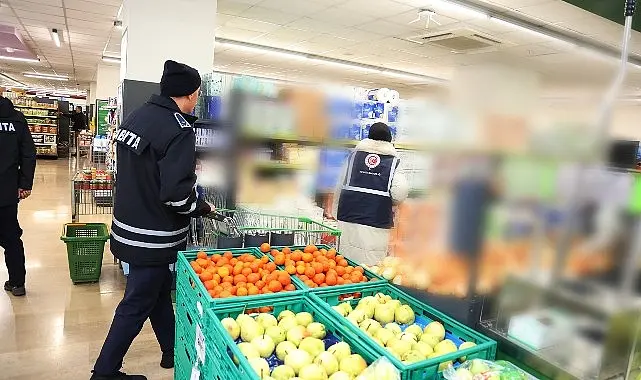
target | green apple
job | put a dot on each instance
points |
(436, 329)
(283, 372)
(297, 359)
(399, 346)
(340, 350)
(232, 327)
(276, 333)
(370, 326)
(250, 329)
(313, 346)
(266, 320)
(341, 375)
(285, 314)
(394, 327)
(327, 361)
(432, 340)
(304, 318)
(296, 334)
(260, 366)
(408, 336)
(404, 315)
(284, 348)
(384, 313)
(340, 310)
(353, 364)
(445, 347)
(412, 356)
(424, 348)
(414, 329)
(247, 350)
(316, 330)
(313, 372)
(463, 346)
(384, 335)
(264, 344)
(287, 323)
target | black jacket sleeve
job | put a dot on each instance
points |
(177, 177)
(27, 164)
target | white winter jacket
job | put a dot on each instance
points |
(365, 244)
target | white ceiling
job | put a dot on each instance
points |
(352, 30)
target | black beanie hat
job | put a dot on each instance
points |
(380, 132)
(178, 79)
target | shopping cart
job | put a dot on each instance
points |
(91, 194)
(243, 228)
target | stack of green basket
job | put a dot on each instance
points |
(85, 247)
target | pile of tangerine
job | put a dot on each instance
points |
(317, 267)
(228, 276)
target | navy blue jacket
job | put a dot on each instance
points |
(17, 154)
(155, 194)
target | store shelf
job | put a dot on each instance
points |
(36, 108)
(49, 116)
(45, 144)
(276, 165)
(51, 125)
(44, 133)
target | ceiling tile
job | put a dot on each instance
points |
(252, 25)
(380, 9)
(37, 8)
(296, 7)
(231, 7)
(342, 16)
(93, 7)
(54, 3)
(269, 15)
(43, 18)
(237, 33)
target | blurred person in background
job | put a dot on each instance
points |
(78, 119)
(369, 189)
(17, 167)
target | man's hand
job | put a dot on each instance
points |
(23, 194)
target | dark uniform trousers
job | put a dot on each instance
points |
(147, 295)
(10, 240)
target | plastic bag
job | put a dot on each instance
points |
(478, 369)
(381, 369)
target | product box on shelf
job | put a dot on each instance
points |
(230, 360)
(451, 343)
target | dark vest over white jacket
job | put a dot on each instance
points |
(365, 197)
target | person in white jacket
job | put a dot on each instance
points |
(370, 186)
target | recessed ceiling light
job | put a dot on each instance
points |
(110, 59)
(9, 58)
(56, 37)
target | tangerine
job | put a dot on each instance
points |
(287, 250)
(242, 292)
(297, 255)
(209, 285)
(205, 276)
(284, 279)
(215, 257)
(310, 248)
(228, 255)
(264, 248)
(239, 278)
(279, 259)
(307, 257)
(290, 287)
(253, 277)
(290, 269)
(223, 271)
(201, 255)
(310, 272)
(319, 278)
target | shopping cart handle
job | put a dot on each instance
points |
(216, 216)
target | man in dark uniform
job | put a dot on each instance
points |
(78, 119)
(154, 201)
(17, 166)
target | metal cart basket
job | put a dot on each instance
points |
(242, 228)
(91, 195)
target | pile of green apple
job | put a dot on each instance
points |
(381, 317)
(296, 340)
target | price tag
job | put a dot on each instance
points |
(200, 308)
(195, 374)
(200, 344)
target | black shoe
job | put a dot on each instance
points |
(167, 360)
(17, 291)
(118, 376)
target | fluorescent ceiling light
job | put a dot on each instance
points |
(456, 7)
(55, 36)
(408, 76)
(19, 59)
(46, 76)
(346, 65)
(110, 59)
(531, 31)
(265, 50)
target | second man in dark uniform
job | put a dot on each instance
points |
(154, 202)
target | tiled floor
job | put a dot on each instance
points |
(56, 331)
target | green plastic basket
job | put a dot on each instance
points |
(192, 299)
(427, 369)
(85, 247)
(225, 349)
(377, 280)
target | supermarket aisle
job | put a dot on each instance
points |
(56, 331)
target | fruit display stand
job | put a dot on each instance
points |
(226, 358)
(368, 277)
(457, 333)
(257, 228)
(193, 298)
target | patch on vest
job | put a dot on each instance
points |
(372, 160)
(181, 120)
(7, 127)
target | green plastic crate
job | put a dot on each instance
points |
(378, 280)
(85, 248)
(427, 369)
(192, 299)
(225, 348)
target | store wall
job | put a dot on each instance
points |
(92, 93)
(107, 81)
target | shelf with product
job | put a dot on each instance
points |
(42, 119)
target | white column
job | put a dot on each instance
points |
(157, 30)
(107, 81)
